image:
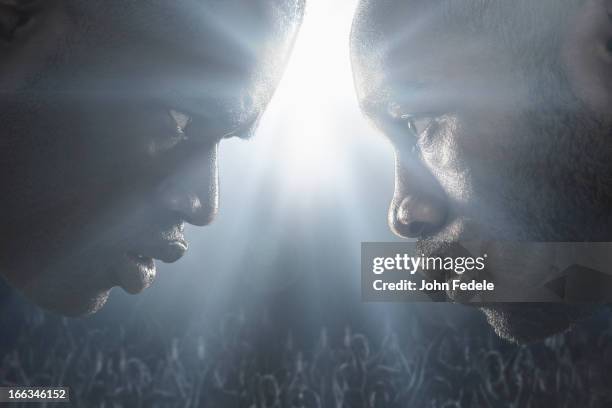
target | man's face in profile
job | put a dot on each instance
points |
(111, 116)
(499, 112)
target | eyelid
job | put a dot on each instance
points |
(421, 115)
(414, 125)
(182, 120)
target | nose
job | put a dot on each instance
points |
(193, 193)
(416, 216)
(419, 207)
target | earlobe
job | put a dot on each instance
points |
(15, 15)
(588, 54)
(30, 32)
(10, 20)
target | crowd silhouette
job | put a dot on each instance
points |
(241, 363)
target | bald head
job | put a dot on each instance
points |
(422, 40)
(499, 114)
(219, 49)
(112, 113)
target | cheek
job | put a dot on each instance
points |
(460, 153)
(516, 264)
(476, 160)
(588, 57)
(116, 150)
(446, 160)
(69, 170)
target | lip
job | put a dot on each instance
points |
(166, 251)
(139, 270)
(137, 273)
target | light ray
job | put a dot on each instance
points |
(298, 198)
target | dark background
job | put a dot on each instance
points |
(265, 310)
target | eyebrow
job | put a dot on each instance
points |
(246, 131)
(381, 101)
(206, 112)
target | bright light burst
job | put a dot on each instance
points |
(313, 145)
(316, 177)
(314, 94)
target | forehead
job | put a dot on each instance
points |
(450, 51)
(227, 54)
(212, 27)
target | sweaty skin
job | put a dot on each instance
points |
(112, 113)
(499, 115)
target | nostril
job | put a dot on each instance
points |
(175, 198)
(419, 216)
(417, 228)
(203, 217)
(189, 206)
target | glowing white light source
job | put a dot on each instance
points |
(315, 173)
(313, 145)
(315, 92)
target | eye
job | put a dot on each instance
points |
(420, 124)
(424, 128)
(181, 120)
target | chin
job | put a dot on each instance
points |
(78, 307)
(529, 322)
(78, 286)
(67, 302)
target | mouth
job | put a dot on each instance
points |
(137, 274)
(456, 251)
(139, 270)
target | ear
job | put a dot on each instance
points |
(13, 15)
(31, 31)
(588, 55)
